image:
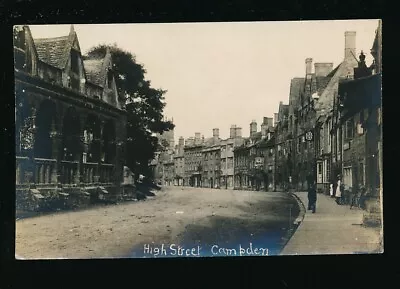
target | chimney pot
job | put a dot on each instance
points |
(216, 132)
(253, 127)
(350, 45)
(232, 133)
(309, 65)
(238, 132)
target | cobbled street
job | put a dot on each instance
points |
(214, 220)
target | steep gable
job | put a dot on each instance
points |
(96, 69)
(25, 54)
(325, 101)
(53, 51)
(296, 86)
(56, 51)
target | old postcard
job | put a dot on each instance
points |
(198, 139)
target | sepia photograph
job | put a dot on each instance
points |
(214, 139)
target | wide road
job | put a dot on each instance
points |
(178, 221)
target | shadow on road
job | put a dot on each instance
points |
(266, 224)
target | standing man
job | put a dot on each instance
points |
(312, 195)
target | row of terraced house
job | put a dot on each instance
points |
(70, 124)
(329, 129)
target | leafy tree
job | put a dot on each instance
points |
(144, 106)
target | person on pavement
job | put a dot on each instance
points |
(338, 193)
(331, 190)
(312, 197)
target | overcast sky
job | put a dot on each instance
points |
(218, 74)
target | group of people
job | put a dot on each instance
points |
(352, 196)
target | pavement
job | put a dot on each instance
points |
(333, 229)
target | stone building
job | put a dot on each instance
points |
(167, 137)
(245, 156)
(268, 146)
(328, 136)
(179, 161)
(169, 171)
(193, 158)
(283, 156)
(361, 126)
(212, 161)
(70, 122)
(227, 156)
(242, 163)
(310, 105)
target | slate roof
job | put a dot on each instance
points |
(321, 83)
(332, 73)
(296, 86)
(53, 51)
(94, 71)
(325, 101)
(257, 135)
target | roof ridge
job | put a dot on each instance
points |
(48, 39)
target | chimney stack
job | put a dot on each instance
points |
(216, 132)
(253, 127)
(350, 45)
(323, 69)
(197, 137)
(189, 141)
(232, 131)
(269, 121)
(264, 128)
(276, 119)
(308, 66)
(181, 141)
(238, 132)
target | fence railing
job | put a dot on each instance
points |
(21, 167)
(45, 171)
(69, 172)
(90, 173)
(106, 173)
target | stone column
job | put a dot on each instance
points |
(119, 162)
(56, 139)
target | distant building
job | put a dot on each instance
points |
(193, 158)
(227, 156)
(245, 157)
(179, 161)
(282, 149)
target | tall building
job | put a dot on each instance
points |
(70, 122)
(227, 157)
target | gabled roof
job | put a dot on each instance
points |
(296, 86)
(94, 71)
(321, 82)
(53, 51)
(256, 136)
(325, 101)
(332, 73)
